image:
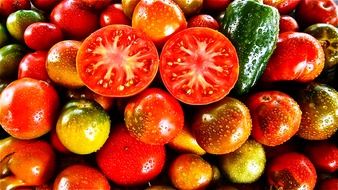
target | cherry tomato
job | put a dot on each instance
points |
(28, 108)
(275, 117)
(127, 161)
(203, 20)
(113, 14)
(190, 171)
(74, 20)
(33, 66)
(283, 6)
(45, 5)
(222, 127)
(163, 19)
(289, 62)
(81, 177)
(117, 61)
(42, 35)
(291, 171)
(190, 7)
(288, 24)
(149, 125)
(216, 5)
(199, 66)
(9, 6)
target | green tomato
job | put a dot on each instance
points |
(190, 7)
(10, 57)
(18, 21)
(3, 35)
(83, 126)
(246, 164)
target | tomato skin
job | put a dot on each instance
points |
(9, 6)
(42, 36)
(32, 65)
(113, 14)
(203, 20)
(291, 63)
(81, 177)
(190, 7)
(56, 143)
(199, 66)
(66, 12)
(275, 117)
(222, 127)
(283, 6)
(117, 61)
(329, 184)
(219, 5)
(45, 5)
(38, 117)
(149, 125)
(291, 171)
(164, 19)
(288, 24)
(96, 5)
(127, 161)
(128, 7)
(324, 156)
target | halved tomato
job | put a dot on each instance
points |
(117, 61)
(199, 66)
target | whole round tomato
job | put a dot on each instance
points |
(275, 117)
(190, 171)
(117, 61)
(83, 126)
(81, 177)
(9, 6)
(33, 66)
(149, 125)
(28, 108)
(289, 62)
(75, 21)
(42, 35)
(199, 66)
(163, 19)
(127, 161)
(203, 20)
(291, 171)
(113, 14)
(283, 6)
(288, 24)
(222, 127)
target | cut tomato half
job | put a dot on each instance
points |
(199, 66)
(117, 61)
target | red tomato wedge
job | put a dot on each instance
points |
(199, 66)
(117, 61)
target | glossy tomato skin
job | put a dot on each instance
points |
(81, 177)
(199, 66)
(288, 24)
(222, 127)
(45, 5)
(30, 162)
(326, 12)
(39, 116)
(190, 7)
(117, 61)
(114, 14)
(163, 19)
(275, 116)
(128, 7)
(203, 20)
(324, 156)
(68, 11)
(42, 35)
(56, 143)
(149, 125)
(96, 5)
(291, 63)
(283, 6)
(32, 65)
(127, 161)
(9, 6)
(291, 171)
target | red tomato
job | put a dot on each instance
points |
(81, 177)
(329, 184)
(283, 6)
(9, 6)
(203, 20)
(290, 62)
(74, 20)
(323, 155)
(45, 5)
(275, 117)
(113, 14)
(159, 19)
(96, 5)
(127, 161)
(42, 36)
(288, 24)
(216, 5)
(145, 122)
(33, 66)
(291, 171)
(317, 11)
(28, 108)
(117, 61)
(199, 66)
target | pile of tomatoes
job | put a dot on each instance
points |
(137, 94)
